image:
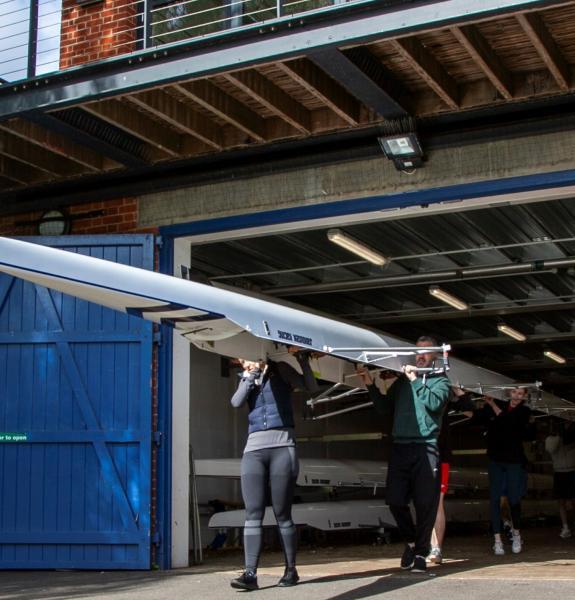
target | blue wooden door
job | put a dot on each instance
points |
(75, 422)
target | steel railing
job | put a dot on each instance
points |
(36, 36)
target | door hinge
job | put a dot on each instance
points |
(156, 538)
(159, 241)
(157, 437)
(157, 338)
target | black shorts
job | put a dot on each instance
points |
(564, 485)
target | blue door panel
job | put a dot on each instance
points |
(75, 379)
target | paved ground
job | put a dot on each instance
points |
(546, 569)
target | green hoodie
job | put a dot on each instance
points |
(417, 407)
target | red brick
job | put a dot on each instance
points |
(94, 28)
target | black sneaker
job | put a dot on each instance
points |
(419, 565)
(407, 558)
(248, 580)
(289, 578)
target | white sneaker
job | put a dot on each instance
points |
(516, 544)
(498, 548)
(565, 533)
(434, 557)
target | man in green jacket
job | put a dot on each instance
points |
(416, 400)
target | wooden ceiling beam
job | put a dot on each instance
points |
(180, 116)
(224, 106)
(42, 159)
(429, 69)
(139, 125)
(273, 98)
(6, 184)
(48, 140)
(324, 88)
(20, 172)
(546, 47)
(480, 51)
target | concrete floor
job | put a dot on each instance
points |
(546, 569)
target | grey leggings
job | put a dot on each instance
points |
(275, 469)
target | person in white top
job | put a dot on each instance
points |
(561, 447)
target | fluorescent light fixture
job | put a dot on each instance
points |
(554, 356)
(511, 332)
(446, 297)
(345, 241)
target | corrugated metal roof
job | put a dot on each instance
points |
(539, 302)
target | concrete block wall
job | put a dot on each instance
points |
(471, 163)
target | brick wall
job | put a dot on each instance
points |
(113, 216)
(106, 28)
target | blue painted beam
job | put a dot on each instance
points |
(356, 206)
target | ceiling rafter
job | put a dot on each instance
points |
(212, 98)
(503, 340)
(39, 136)
(6, 183)
(429, 69)
(42, 159)
(480, 51)
(180, 116)
(316, 82)
(273, 98)
(455, 274)
(20, 172)
(548, 50)
(139, 125)
(527, 365)
(520, 307)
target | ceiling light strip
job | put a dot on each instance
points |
(554, 356)
(337, 236)
(513, 333)
(448, 298)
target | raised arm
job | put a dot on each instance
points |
(299, 381)
(433, 392)
(246, 385)
(382, 404)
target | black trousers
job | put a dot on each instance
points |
(414, 475)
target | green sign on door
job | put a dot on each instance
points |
(13, 437)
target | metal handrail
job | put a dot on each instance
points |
(33, 42)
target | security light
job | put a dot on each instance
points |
(448, 298)
(404, 150)
(337, 236)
